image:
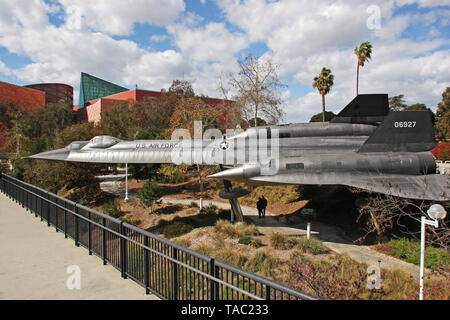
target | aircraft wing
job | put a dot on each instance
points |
(425, 187)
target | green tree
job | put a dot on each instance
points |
(9, 111)
(259, 122)
(62, 176)
(149, 194)
(443, 116)
(182, 88)
(323, 82)
(397, 103)
(329, 115)
(417, 107)
(119, 121)
(33, 131)
(126, 118)
(363, 54)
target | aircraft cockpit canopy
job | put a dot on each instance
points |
(76, 145)
(102, 142)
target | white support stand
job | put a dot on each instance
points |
(424, 222)
(126, 182)
(308, 230)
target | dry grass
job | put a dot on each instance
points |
(236, 230)
(272, 256)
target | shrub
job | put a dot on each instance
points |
(169, 173)
(409, 250)
(245, 240)
(282, 242)
(231, 256)
(210, 209)
(112, 208)
(313, 246)
(149, 194)
(236, 230)
(261, 262)
(130, 220)
(256, 243)
(176, 229)
(193, 204)
(224, 214)
(339, 279)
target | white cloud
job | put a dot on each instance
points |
(212, 42)
(118, 17)
(155, 70)
(308, 35)
(304, 36)
(59, 54)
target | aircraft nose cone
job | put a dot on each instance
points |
(58, 154)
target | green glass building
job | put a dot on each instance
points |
(93, 88)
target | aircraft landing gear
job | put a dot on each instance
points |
(232, 195)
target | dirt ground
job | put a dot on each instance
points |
(189, 190)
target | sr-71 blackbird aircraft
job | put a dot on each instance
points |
(365, 146)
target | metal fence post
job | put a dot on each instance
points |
(174, 274)
(65, 220)
(146, 266)
(267, 292)
(123, 252)
(56, 214)
(104, 240)
(214, 286)
(89, 234)
(35, 203)
(48, 209)
(76, 226)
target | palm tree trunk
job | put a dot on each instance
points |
(357, 77)
(323, 108)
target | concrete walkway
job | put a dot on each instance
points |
(35, 260)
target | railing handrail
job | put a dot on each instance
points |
(268, 283)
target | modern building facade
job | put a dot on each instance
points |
(92, 88)
(55, 92)
(97, 95)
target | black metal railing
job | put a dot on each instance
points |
(162, 267)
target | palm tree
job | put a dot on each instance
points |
(323, 82)
(363, 54)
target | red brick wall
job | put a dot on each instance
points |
(20, 95)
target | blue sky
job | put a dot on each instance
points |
(152, 42)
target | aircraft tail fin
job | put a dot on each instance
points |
(365, 109)
(403, 131)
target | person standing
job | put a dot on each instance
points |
(259, 206)
(264, 205)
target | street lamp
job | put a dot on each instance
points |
(436, 212)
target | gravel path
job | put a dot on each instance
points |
(332, 236)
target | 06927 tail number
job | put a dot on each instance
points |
(405, 124)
